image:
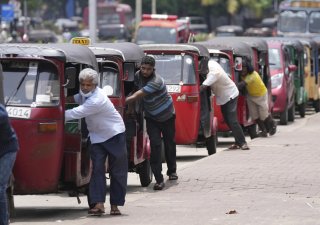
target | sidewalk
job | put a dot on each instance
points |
(276, 182)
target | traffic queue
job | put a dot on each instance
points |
(54, 154)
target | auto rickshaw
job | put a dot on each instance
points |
(228, 54)
(183, 68)
(118, 63)
(296, 51)
(53, 155)
(311, 69)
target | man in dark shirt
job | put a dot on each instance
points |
(8, 150)
(160, 118)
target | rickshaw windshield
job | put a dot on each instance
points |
(109, 79)
(274, 58)
(176, 69)
(29, 83)
(224, 63)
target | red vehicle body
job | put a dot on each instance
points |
(53, 155)
(110, 13)
(282, 81)
(117, 66)
(183, 68)
(165, 29)
(228, 54)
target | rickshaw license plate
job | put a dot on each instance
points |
(174, 88)
(19, 112)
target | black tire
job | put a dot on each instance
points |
(316, 105)
(291, 113)
(284, 117)
(211, 144)
(252, 131)
(145, 173)
(302, 110)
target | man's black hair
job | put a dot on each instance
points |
(248, 65)
(148, 60)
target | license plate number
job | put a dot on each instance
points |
(174, 88)
(19, 112)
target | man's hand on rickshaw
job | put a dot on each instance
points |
(203, 87)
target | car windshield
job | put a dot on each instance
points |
(291, 21)
(109, 79)
(29, 83)
(224, 63)
(170, 67)
(274, 58)
(150, 35)
(314, 22)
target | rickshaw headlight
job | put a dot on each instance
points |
(276, 80)
(47, 127)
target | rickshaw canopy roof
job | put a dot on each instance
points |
(289, 41)
(254, 42)
(238, 48)
(193, 47)
(69, 53)
(129, 52)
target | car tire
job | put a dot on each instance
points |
(145, 173)
(284, 117)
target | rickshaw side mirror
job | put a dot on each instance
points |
(292, 68)
(128, 71)
(70, 77)
(238, 63)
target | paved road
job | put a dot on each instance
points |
(277, 182)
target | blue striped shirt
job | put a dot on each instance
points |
(157, 104)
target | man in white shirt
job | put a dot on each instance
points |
(107, 135)
(226, 93)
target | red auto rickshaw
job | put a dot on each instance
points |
(53, 155)
(183, 68)
(118, 63)
(229, 55)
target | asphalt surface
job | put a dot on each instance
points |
(276, 182)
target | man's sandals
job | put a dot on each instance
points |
(97, 210)
(114, 211)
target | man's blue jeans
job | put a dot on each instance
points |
(6, 165)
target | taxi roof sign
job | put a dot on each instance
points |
(81, 40)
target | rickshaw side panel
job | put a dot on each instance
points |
(187, 115)
(38, 164)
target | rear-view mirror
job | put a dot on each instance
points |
(238, 63)
(70, 77)
(128, 71)
(292, 68)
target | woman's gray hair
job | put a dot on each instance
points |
(89, 74)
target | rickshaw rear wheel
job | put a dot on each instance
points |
(302, 110)
(211, 144)
(291, 113)
(145, 173)
(316, 105)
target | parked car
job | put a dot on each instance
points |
(42, 36)
(282, 81)
(229, 30)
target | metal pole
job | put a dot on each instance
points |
(25, 10)
(154, 7)
(138, 12)
(93, 20)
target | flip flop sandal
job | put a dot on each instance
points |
(115, 212)
(234, 146)
(96, 211)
